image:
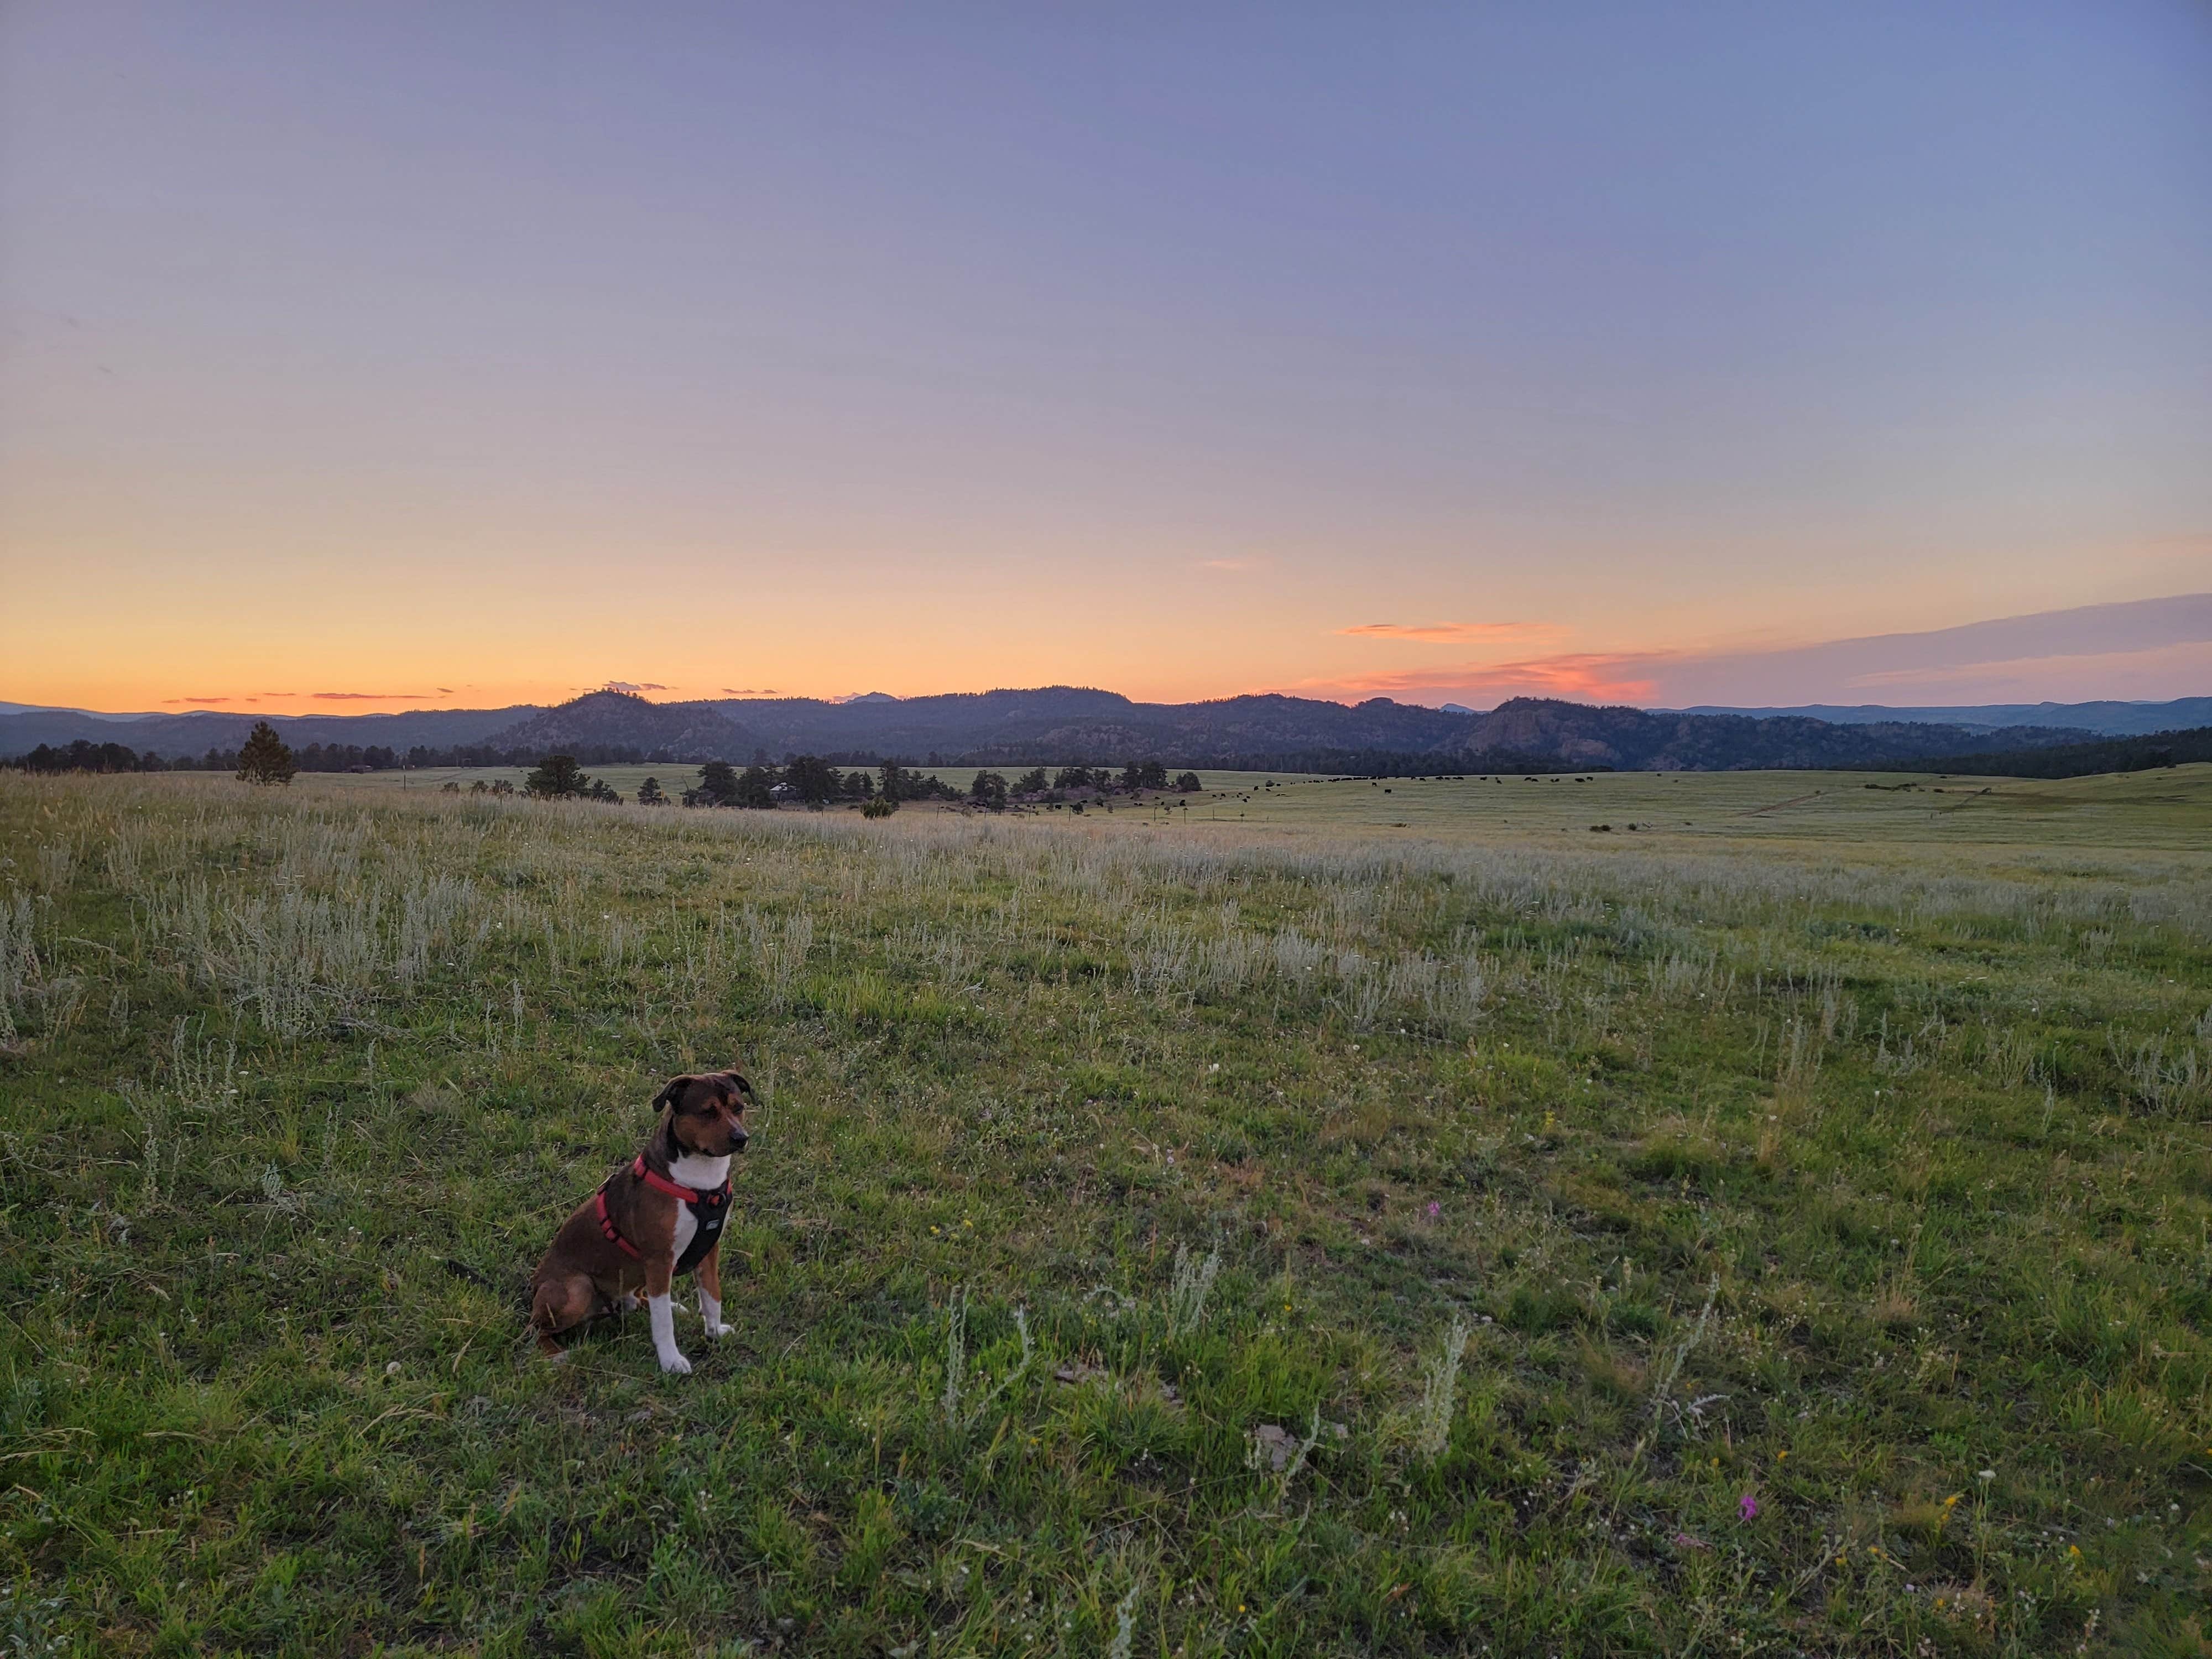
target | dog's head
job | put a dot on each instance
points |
(707, 1112)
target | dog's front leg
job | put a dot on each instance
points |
(710, 1292)
(657, 1275)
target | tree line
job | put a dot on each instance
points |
(2146, 753)
(84, 755)
(1037, 784)
(804, 780)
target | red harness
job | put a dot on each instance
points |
(658, 1182)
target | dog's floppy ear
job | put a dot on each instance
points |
(744, 1087)
(669, 1095)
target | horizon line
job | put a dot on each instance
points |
(243, 706)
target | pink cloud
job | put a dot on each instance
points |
(171, 702)
(1582, 677)
(2146, 648)
(370, 697)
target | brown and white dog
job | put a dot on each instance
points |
(656, 1217)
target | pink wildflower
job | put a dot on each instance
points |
(1747, 1507)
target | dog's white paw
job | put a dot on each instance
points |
(626, 1302)
(676, 1365)
(719, 1331)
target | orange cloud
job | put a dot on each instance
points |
(174, 701)
(365, 696)
(1584, 676)
(1454, 633)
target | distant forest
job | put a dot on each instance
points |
(1009, 731)
(2076, 760)
(85, 756)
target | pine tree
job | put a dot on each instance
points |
(264, 759)
(718, 784)
(557, 776)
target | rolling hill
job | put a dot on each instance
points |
(1070, 725)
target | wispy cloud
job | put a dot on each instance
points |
(2143, 648)
(735, 691)
(171, 703)
(1582, 677)
(370, 697)
(1458, 632)
(632, 686)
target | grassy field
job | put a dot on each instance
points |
(2169, 809)
(1377, 1223)
(674, 779)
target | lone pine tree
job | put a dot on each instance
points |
(556, 777)
(264, 759)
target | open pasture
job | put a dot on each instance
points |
(1917, 813)
(1787, 1232)
(675, 779)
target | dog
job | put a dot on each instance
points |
(657, 1218)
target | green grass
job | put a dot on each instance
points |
(1121, 1188)
(2168, 809)
(674, 778)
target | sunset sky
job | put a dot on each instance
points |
(356, 357)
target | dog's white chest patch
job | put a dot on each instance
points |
(699, 1173)
(702, 1175)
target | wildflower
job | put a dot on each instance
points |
(1434, 1209)
(1986, 1474)
(1781, 1458)
(1747, 1507)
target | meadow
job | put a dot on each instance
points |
(1315, 1221)
(625, 777)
